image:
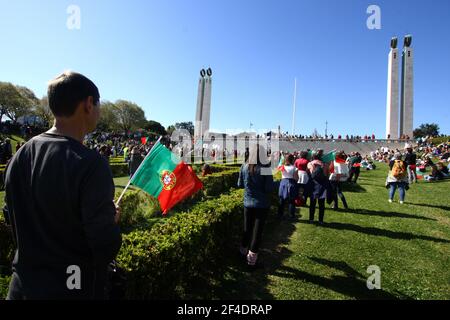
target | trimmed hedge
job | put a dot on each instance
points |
(4, 286)
(119, 169)
(6, 243)
(159, 263)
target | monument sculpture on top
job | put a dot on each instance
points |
(202, 116)
(400, 123)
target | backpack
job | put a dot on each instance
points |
(398, 169)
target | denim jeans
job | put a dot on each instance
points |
(281, 205)
(401, 190)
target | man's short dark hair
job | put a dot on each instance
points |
(67, 90)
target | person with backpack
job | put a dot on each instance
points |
(397, 178)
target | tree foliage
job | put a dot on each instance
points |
(426, 129)
(15, 101)
(189, 126)
(155, 127)
(42, 110)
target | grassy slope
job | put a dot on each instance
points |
(410, 243)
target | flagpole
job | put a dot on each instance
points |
(129, 181)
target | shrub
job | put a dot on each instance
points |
(4, 286)
(7, 247)
(138, 210)
(119, 169)
(160, 262)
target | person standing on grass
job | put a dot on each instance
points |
(257, 180)
(59, 202)
(410, 161)
(135, 160)
(303, 176)
(355, 166)
(288, 187)
(397, 178)
(319, 186)
(339, 174)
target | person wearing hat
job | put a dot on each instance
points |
(410, 160)
(397, 178)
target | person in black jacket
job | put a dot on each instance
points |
(410, 160)
(59, 201)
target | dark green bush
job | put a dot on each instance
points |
(4, 285)
(6, 243)
(160, 262)
(119, 169)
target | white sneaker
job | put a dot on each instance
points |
(401, 202)
(390, 200)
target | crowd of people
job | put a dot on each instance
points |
(312, 176)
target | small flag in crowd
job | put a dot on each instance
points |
(163, 175)
(329, 157)
(144, 140)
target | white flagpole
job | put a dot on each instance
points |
(129, 181)
(295, 102)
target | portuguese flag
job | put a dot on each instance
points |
(144, 140)
(163, 175)
(329, 157)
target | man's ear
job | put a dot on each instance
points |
(88, 104)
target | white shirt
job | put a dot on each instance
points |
(288, 172)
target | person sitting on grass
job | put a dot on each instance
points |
(397, 178)
(439, 171)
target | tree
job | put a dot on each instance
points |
(15, 101)
(427, 129)
(42, 110)
(155, 127)
(171, 129)
(189, 126)
(129, 115)
(108, 117)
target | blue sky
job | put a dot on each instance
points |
(150, 52)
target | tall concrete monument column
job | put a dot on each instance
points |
(407, 97)
(203, 113)
(392, 128)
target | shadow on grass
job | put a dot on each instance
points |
(353, 187)
(352, 284)
(380, 232)
(233, 280)
(445, 208)
(384, 214)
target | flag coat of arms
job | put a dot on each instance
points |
(163, 175)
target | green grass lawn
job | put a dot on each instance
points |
(410, 244)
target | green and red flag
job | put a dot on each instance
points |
(163, 175)
(329, 157)
(144, 140)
